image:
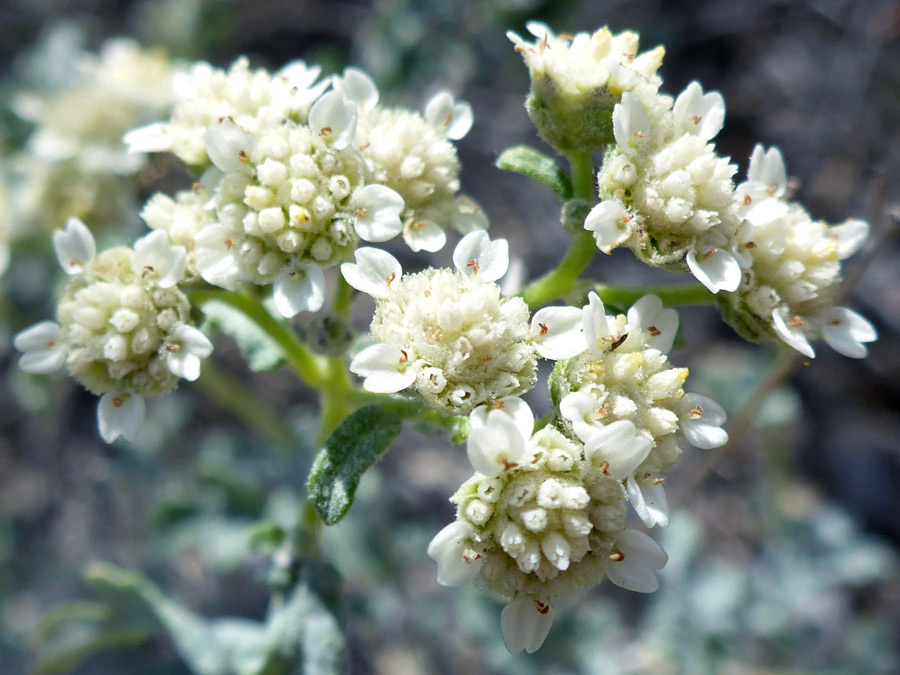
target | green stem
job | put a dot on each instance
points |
(343, 296)
(582, 175)
(679, 294)
(243, 404)
(334, 396)
(305, 364)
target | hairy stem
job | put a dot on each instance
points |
(678, 294)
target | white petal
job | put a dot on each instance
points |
(609, 223)
(525, 624)
(455, 119)
(540, 30)
(701, 421)
(154, 256)
(496, 446)
(619, 445)
(630, 122)
(120, 415)
(767, 167)
(792, 336)
(596, 324)
(300, 290)
(335, 118)
(375, 272)
(642, 557)
(356, 86)
(216, 255)
(661, 324)
(579, 408)
(229, 147)
(716, 269)
(385, 369)
(469, 216)
(700, 114)
(477, 254)
(558, 332)
(150, 138)
(377, 211)
(41, 350)
(75, 246)
(846, 332)
(850, 236)
(448, 550)
(184, 350)
(649, 502)
(511, 406)
(425, 236)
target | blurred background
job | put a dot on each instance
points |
(783, 547)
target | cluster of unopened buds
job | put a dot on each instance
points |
(294, 174)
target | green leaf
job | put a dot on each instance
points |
(537, 166)
(358, 442)
(259, 350)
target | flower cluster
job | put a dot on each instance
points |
(122, 328)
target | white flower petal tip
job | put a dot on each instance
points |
(525, 624)
(767, 168)
(792, 334)
(217, 259)
(150, 138)
(511, 406)
(385, 369)
(630, 123)
(649, 501)
(634, 563)
(425, 236)
(496, 446)
(477, 254)
(185, 350)
(716, 269)
(454, 119)
(42, 351)
(699, 114)
(375, 272)
(558, 332)
(155, 258)
(377, 211)
(299, 290)
(661, 324)
(356, 86)
(609, 223)
(120, 415)
(334, 118)
(229, 147)
(618, 448)
(75, 246)
(451, 550)
(701, 421)
(846, 332)
(850, 237)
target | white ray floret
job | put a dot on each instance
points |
(185, 349)
(453, 118)
(699, 114)
(299, 290)
(385, 369)
(767, 168)
(120, 415)
(619, 445)
(792, 333)
(715, 268)
(377, 212)
(155, 258)
(375, 272)
(356, 86)
(661, 324)
(558, 332)
(630, 123)
(847, 332)
(608, 221)
(525, 624)
(648, 498)
(41, 347)
(229, 146)
(217, 255)
(496, 446)
(477, 254)
(512, 406)
(636, 563)
(334, 118)
(448, 549)
(702, 421)
(75, 246)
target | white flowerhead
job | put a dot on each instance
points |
(75, 247)
(700, 114)
(453, 118)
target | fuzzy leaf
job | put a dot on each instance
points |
(260, 351)
(358, 442)
(537, 166)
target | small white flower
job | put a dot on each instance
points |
(356, 86)
(850, 236)
(699, 114)
(649, 501)
(630, 123)
(229, 146)
(377, 212)
(580, 409)
(217, 255)
(511, 406)
(767, 168)
(846, 332)
(649, 315)
(792, 335)
(596, 325)
(468, 216)
(424, 235)
(42, 351)
(448, 550)
(715, 268)
(385, 369)
(184, 351)
(558, 332)
(149, 138)
(619, 446)
(496, 446)
(120, 415)
(375, 272)
(634, 564)
(299, 290)
(155, 258)
(608, 221)
(298, 90)
(701, 421)
(333, 117)
(477, 254)
(525, 624)
(455, 119)
(75, 246)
